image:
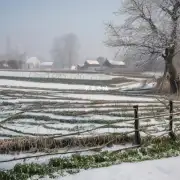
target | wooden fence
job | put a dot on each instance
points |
(137, 137)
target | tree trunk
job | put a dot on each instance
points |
(170, 70)
(173, 79)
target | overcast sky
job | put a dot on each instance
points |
(33, 24)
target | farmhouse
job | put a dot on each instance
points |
(102, 65)
(33, 63)
(117, 64)
(114, 66)
(80, 67)
(91, 65)
(73, 68)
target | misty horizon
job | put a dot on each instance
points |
(32, 26)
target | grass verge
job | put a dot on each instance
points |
(159, 148)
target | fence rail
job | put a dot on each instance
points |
(137, 130)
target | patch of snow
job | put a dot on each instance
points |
(41, 100)
(39, 129)
(49, 85)
(131, 86)
(79, 118)
(57, 75)
(139, 85)
(119, 63)
(42, 160)
(155, 74)
(92, 62)
(110, 97)
(164, 169)
(116, 147)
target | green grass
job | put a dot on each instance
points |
(160, 148)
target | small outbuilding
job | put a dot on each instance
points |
(91, 65)
(33, 63)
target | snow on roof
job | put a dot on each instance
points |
(47, 63)
(93, 62)
(33, 60)
(118, 63)
(73, 67)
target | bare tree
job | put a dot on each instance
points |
(65, 50)
(151, 28)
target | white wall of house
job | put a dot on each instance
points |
(33, 63)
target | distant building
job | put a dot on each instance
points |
(80, 67)
(33, 63)
(115, 66)
(91, 65)
(102, 65)
(46, 65)
(73, 68)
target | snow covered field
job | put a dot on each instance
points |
(75, 110)
(63, 108)
(56, 75)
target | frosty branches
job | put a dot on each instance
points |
(149, 28)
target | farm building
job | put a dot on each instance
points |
(46, 65)
(102, 65)
(73, 68)
(80, 67)
(114, 66)
(91, 65)
(33, 63)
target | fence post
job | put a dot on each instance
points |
(137, 138)
(171, 133)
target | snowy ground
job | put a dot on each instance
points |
(56, 75)
(64, 108)
(59, 108)
(165, 169)
(155, 74)
(56, 108)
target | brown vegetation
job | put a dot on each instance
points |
(42, 144)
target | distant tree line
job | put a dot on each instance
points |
(65, 51)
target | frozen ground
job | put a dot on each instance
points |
(57, 75)
(45, 159)
(56, 108)
(155, 74)
(164, 169)
(57, 86)
(63, 108)
(61, 86)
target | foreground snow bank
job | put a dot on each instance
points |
(165, 169)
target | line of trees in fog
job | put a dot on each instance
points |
(65, 51)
